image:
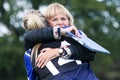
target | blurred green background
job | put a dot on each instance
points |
(99, 19)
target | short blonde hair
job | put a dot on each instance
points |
(56, 8)
(34, 19)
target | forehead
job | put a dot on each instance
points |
(59, 16)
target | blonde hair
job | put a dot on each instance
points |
(34, 53)
(56, 8)
(34, 19)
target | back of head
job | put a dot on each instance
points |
(56, 8)
(33, 20)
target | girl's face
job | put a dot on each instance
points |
(59, 20)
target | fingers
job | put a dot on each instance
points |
(76, 31)
(45, 62)
(39, 60)
(45, 56)
(42, 60)
(73, 30)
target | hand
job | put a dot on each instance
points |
(75, 30)
(72, 29)
(46, 55)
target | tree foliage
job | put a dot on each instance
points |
(99, 19)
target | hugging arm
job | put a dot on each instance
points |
(47, 34)
(81, 53)
(37, 36)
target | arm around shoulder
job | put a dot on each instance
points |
(39, 35)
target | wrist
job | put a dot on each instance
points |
(61, 52)
(68, 52)
(57, 32)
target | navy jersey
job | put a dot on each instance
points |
(59, 66)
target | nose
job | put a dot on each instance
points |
(60, 22)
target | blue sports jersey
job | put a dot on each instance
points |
(28, 65)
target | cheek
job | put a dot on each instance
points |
(66, 23)
(53, 23)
